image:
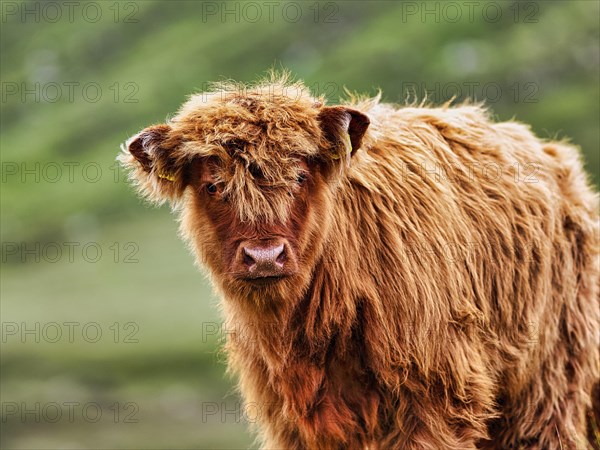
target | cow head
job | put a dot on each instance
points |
(254, 174)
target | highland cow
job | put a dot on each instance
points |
(405, 277)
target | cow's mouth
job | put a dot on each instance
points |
(265, 281)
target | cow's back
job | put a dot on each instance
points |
(481, 225)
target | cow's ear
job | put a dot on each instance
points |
(343, 130)
(155, 163)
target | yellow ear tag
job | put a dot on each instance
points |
(348, 144)
(348, 148)
(166, 176)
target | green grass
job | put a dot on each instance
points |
(167, 364)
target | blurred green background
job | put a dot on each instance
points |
(81, 254)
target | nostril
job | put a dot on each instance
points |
(248, 260)
(280, 260)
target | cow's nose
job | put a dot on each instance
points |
(264, 260)
(259, 259)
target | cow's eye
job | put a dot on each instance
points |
(301, 178)
(211, 188)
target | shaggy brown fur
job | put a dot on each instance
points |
(444, 291)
